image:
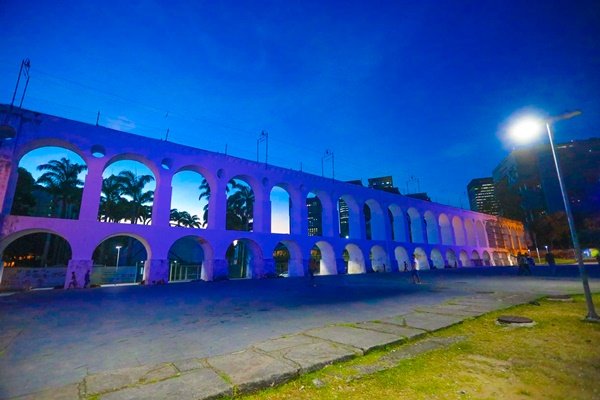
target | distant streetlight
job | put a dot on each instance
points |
(528, 128)
(118, 253)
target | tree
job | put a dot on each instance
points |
(552, 230)
(61, 181)
(113, 207)
(240, 206)
(204, 194)
(132, 185)
(24, 200)
(184, 218)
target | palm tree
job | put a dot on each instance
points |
(132, 185)
(113, 207)
(240, 206)
(204, 194)
(62, 182)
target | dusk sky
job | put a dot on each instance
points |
(401, 88)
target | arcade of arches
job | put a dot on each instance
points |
(330, 227)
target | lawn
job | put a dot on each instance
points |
(557, 358)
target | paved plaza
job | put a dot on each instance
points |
(187, 336)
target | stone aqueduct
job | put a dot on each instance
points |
(438, 234)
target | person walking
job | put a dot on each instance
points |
(414, 272)
(551, 262)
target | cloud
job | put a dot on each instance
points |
(120, 124)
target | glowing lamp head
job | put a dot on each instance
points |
(526, 129)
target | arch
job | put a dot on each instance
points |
(34, 259)
(470, 229)
(475, 259)
(37, 144)
(349, 217)
(326, 261)
(402, 258)
(119, 258)
(415, 226)
(49, 183)
(294, 258)
(445, 230)
(459, 232)
(356, 260)
(451, 260)
(421, 258)
(281, 206)
(127, 194)
(240, 205)
(281, 258)
(244, 259)
(431, 225)
(480, 234)
(464, 259)
(514, 239)
(375, 224)
(188, 257)
(437, 259)
(496, 258)
(486, 259)
(379, 259)
(398, 223)
(190, 194)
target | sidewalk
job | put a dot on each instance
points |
(263, 363)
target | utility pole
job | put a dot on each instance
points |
(328, 156)
(263, 137)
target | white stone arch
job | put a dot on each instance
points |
(507, 240)
(327, 265)
(253, 259)
(126, 232)
(281, 206)
(459, 231)
(497, 259)
(487, 261)
(514, 239)
(470, 230)
(354, 231)
(379, 259)
(431, 222)
(377, 220)
(296, 203)
(437, 259)
(402, 257)
(294, 264)
(356, 259)
(451, 259)
(35, 144)
(445, 230)
(398, 223)
(200, 209)
(464, 259)
(416, 225)
(421, 258)
(206, 270)
(475, 259)
(480, 234)
(8, 240)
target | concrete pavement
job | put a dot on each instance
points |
(201, 340)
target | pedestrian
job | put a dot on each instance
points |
(551, 262)
(414, 272)
(86, 279)
(73, 283)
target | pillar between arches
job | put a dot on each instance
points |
(217, 205)
(262, 217)
(156, 271)
(8, 181)
(161, 209)
(92, 190)
(76, 273)
(220, 269)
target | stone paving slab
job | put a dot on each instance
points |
(200, 384)
(120, 378)
(188, 364)
(61, 393)
(285, 342)
(425, 321)
(447, 309)
(362, 339)
(250, 370)
(398, 330)
(314, 356)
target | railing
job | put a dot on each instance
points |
(111, 275)
(183, 273)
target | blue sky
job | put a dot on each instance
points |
(404, 88)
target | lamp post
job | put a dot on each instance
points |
(118, 253)
(526, 129)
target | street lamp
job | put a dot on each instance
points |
(118, 253)
(526, 129)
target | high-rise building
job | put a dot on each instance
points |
(344, 219)
(482, 196)
(383, 183)
(315, 219)
(527, 187)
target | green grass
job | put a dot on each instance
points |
(558, 358)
